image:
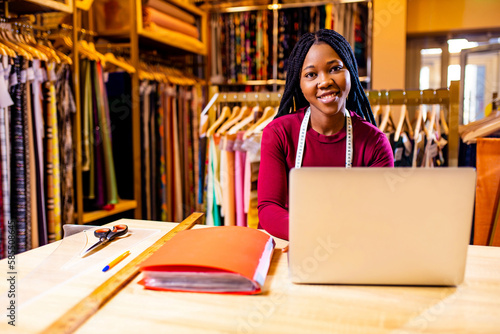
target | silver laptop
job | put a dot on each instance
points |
(394, 226)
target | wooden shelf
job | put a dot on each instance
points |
(37, 6)
(122, 206)
(153, 39)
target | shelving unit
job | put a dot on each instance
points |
(122, 206)
(275, 6)
(39, 6)
(139, 39)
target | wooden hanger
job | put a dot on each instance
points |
(398, 116)
(262, 125)
(418, 123)
(268, 113)
(245, 111)
(386, 113)
(234, 114)
(6, 39)
(430, 125)
(111, 59)
(245, 121)
(442, 120)
(20, 40)
(225, 113)
(490, 125)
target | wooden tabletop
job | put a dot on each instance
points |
(283, 307)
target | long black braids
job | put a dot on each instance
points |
(293, 99)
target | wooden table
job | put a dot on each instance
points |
(283, 307)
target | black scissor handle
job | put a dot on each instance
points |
(118, 230)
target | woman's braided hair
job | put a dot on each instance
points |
(357, 100)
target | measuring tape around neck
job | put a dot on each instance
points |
(302, 139)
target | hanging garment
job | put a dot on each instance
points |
(88, 156)
(239, 178)
(105, 128)
(31, 212)
(5, 103)
(117, 105)
(402, 150)
(18, 171)
(98, 157)
(162, 147)
(66, 109)
(155, 180)
(53, 183)
(145, 89)
(177, 158)
(252, 163)
(227, 179)
(40, 76)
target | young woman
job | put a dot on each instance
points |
(324, 103)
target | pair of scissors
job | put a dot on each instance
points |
(106, 234)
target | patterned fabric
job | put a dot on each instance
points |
(52, 163)
(66, 109)
(5, 103)
(163, 159)
(18, 167)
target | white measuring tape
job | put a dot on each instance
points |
(302, 139)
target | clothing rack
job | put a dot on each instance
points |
(447, 97)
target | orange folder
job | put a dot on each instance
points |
(221, 259)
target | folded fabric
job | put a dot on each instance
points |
(172, 10)
(151, 15)
(175, 36)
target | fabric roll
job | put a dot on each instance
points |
(166, 21)
(173, 10)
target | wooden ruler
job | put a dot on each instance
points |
(78, 314)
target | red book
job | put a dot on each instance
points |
(222, 259)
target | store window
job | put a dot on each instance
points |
(472, 59)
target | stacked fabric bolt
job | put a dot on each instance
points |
(156, 19)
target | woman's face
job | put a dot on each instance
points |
(324, 80)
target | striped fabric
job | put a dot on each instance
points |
(18, 183)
